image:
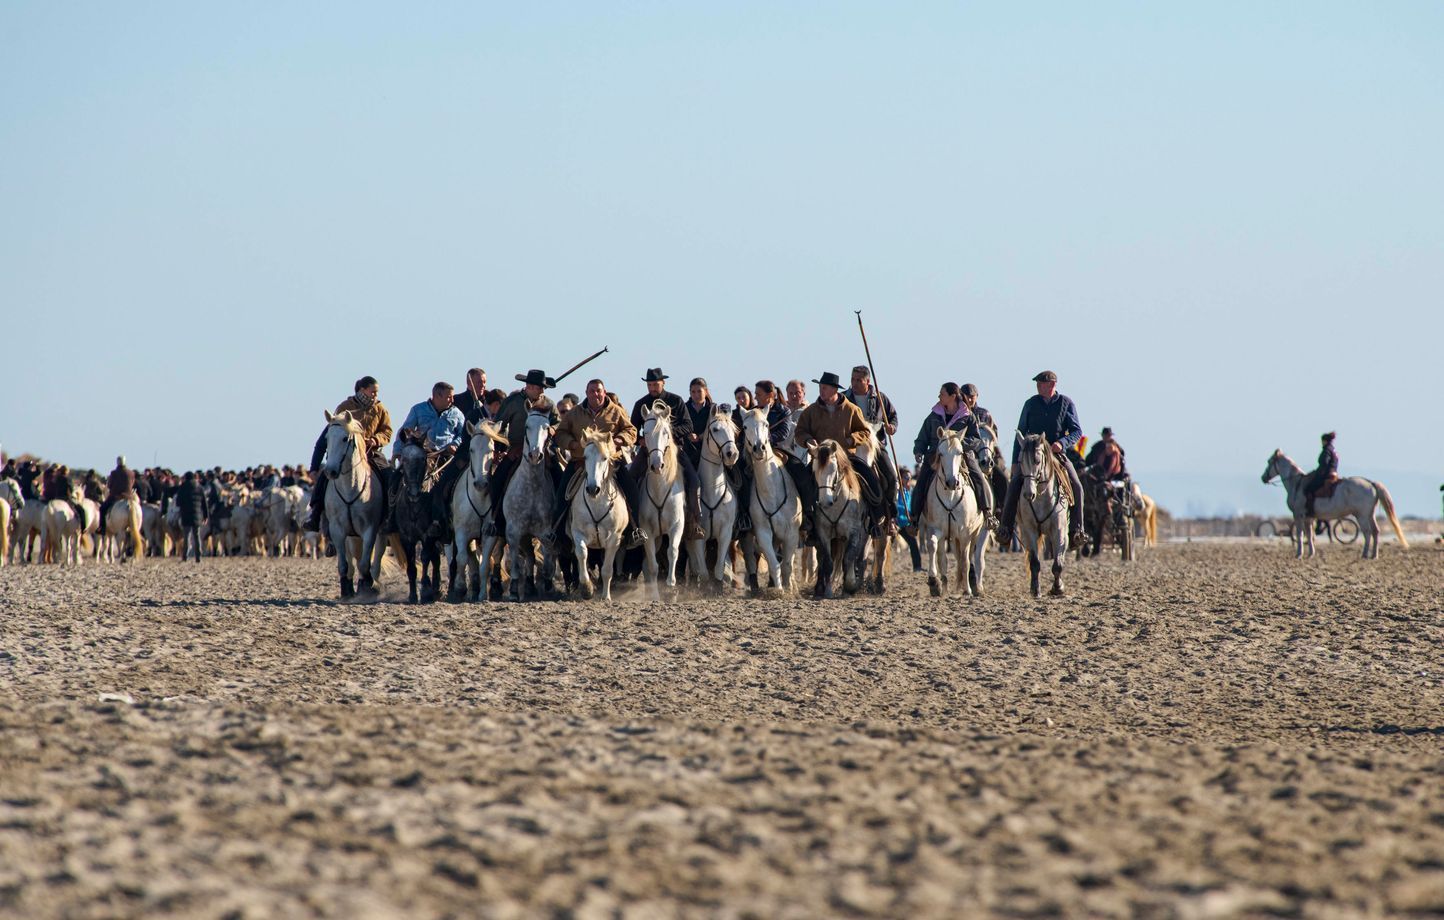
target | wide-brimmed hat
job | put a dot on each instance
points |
(1045, 377)
(654, 373)
(1106, 432)
(537, 378)
(828, 379)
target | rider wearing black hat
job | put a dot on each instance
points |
(511, 420)
(682, 431)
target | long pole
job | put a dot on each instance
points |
(881, 398)
(588, 359)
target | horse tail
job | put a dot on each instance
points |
(133, 519)
(1388, 503)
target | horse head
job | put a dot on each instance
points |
(826, 470)
(597, 452)
(412, 461)
(1272, 468)
(1032, 463)
(722, 436)
(340, 429)
(538, 435)
(948, 460)
(484, 439)
(657, 435)
(756, 433)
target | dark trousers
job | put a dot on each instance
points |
(913, 549)
(1015, 492)
(192, 539)
(1312, 483)
(982, 490)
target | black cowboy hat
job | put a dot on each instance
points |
(654, 373)
(829, 379)
(538, 378)
(1106, 432)
(1045, 377)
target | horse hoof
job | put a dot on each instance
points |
(935, 589)
(1056, 592)
(586, 592)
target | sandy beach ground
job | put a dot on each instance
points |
(1214, 731)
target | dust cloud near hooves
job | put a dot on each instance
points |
(1211, 731)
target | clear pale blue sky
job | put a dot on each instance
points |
(1223, 225)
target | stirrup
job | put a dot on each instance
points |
(633, 537)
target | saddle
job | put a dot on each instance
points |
(1062, 476)
(1326, 488)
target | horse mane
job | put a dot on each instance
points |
(726, 419)
(491, 430)
(601, 439)
(871, 440)
(851, 481)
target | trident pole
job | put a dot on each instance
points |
(588, 359)
(881, 398)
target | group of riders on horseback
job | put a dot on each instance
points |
(846, 415)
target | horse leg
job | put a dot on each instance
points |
(767, 548)
(584, 576)
(1034, 567)
(514, 555)
(343, 573)
(931, 550)
(851, 559)
(1057, 590)
(980, 553)
(649, 570)
(823, 568)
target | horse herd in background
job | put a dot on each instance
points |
(265, 522)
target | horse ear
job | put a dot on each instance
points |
(1019, 436)
(327, 413)
(471, 430)
(942, 431)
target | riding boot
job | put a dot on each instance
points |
(318, 503)
(887, 482)
(743, 488)
(1075, 513)
(692, 515)
(496, 527)
(806, 485)
(1010, 509)
(919, 497)
(877, 514)
(627, 482)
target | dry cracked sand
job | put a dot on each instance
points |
(1214, 731)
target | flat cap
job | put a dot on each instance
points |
(1045, 377)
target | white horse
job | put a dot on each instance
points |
(11, 502)
(599, 511)
(122, 522)
(661, 512)
(272, 519)
(1146, 516)
(470, 511)
(27, 526)
(527, 507)
(355, 507)
(1355, 497)
(950, 518)
(718, 503)
(62, 529)
(1042, 521)
(775, 507)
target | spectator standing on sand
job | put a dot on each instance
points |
(190, 500)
